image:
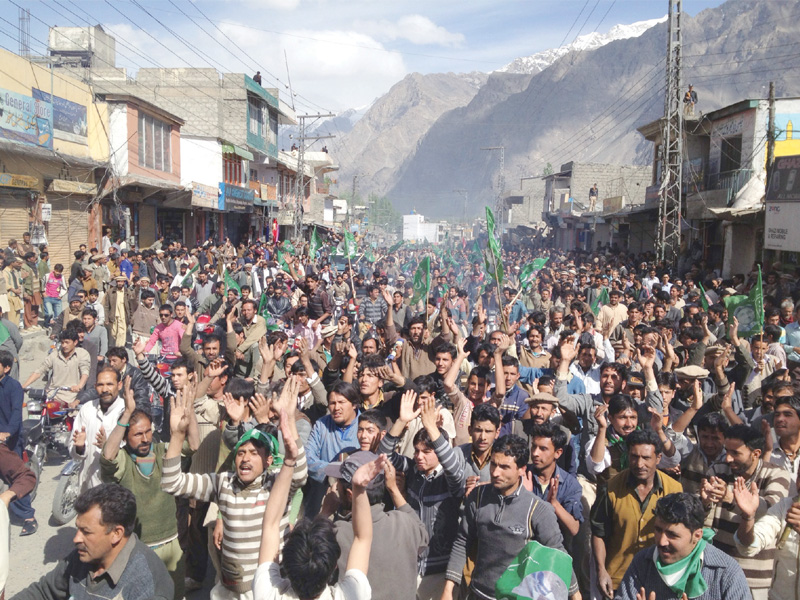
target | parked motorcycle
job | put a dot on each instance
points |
(50, 431)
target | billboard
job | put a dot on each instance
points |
(783, 205)
(25, 119)
(69, 118)
(784, 183)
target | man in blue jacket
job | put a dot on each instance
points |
(11, 397)
(332, 435)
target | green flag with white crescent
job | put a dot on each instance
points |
(526, 274)
(281, 260)
(288, 247)
(350, 247)
(230, 282)
(315, 245)
(422, 281)
(601, 300)
(536, 572)
(188, 281)
(748, 310)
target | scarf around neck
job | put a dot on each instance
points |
(685, 576)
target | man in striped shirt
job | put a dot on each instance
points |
(743, 447)
(240, 494)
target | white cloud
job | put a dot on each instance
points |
(416, 29)
(336, 68)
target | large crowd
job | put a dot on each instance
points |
(317, 422)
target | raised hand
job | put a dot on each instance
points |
(407, 411)
(130, 399)
(656, 420)
(100, 438)
(527, 480)
(568, 350)
(600, 412)
(266, 351)
(178, 422)
(288, 398)
(259, 408)
(139, 346)
(746, 498)
(289, 443)
(471, 483)
(215, 368)
(727, 399)
(233, 407)
(552, 491)
(368, 472)
(79, 437)
(646, 355)
(430, 415)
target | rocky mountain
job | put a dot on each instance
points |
(529, 65)
(585, 106)
(390, 130)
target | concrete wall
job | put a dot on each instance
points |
(174, 174)
(118, 135)
(201, 161)
(612, 180)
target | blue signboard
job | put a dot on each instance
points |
(69, 118)
(236, 199)
(25, 119)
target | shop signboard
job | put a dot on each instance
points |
(205, 196)
(18, 181)
(69, 118)
(783, 205)
(25, 119)
(233, 198)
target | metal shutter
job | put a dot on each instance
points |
(147, 225)
(13, 218)
(68, 228)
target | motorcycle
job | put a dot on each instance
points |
(50, 429)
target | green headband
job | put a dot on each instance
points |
(269, 441)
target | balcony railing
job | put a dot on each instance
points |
(732, 181)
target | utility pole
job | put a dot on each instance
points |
(299, 184)
(465, 194)
(501, 185)
(771, 128)
(668, 239)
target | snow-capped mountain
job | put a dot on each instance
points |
(530, 65)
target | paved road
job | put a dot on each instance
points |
(35, 555)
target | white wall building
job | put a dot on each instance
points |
(416, 230)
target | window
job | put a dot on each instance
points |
(731, 154)
(257, 117)
(154, 143)
(253, 175)
(232, 169)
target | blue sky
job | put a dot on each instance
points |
(341, 53)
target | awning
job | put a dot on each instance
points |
(749, 201)
(149, 185)
(238, 151)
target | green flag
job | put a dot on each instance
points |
(395, 247)
(230, 282)
(600, 301)
(422, 281)
(526, 274)
(368, 256)
(4, 334)
(539, 263)
(536, 572)
(272, 323)
(288, 247)
(350, 247)
(315, 245)
(187, 281)
(748, 310)
(281, 260)
(493, 258)
(493, 244)
(703, 299)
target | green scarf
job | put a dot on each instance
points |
(685, 576)
(615, 440)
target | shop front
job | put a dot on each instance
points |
(237, 203)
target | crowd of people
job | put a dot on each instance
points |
(323, 427)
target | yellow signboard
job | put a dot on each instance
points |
(18, 181)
